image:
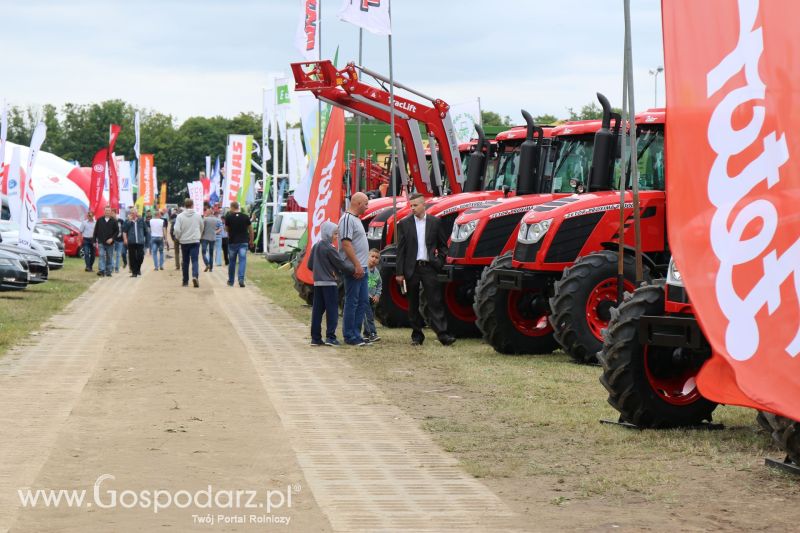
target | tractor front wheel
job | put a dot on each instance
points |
(304, 290)
(650, 386)
(392, 307)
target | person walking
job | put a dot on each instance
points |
(421, 252)
(225, 242)
(374, 288)
(148, 216)
(87, 232)
(188, 230)
(326, 265)
(209, 238)
(240, 238)
(354, 248)
(134, 233)
(105, 230)
(158, 239)
(175, 244)
(120, 253)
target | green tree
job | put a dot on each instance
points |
(545, 119)
(490, 118)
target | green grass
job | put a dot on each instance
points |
(529, 418)
(24, 311)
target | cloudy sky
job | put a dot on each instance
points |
(203, 57)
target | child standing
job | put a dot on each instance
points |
(326, 265)
(375, 287)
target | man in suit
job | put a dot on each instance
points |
(421, 251)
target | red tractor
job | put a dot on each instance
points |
(518, 293)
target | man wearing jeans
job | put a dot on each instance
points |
(188, 229)
(87, 232)
(240, 238)
(354, 249)
(134, 232)
(158, 238)
(104, 232)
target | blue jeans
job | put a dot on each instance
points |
(208, 253)
(218, 250)
(369, 321)
(237, 251)
(120, 255)
(326, 301)
(157, 249)
(356, 300)
(106, 258)
(190, 252)
(88, 252)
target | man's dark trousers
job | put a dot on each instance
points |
(135, 258)
(425, 275)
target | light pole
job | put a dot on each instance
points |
(658, 70)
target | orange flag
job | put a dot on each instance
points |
(733, 163)
(325, 196)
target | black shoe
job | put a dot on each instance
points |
(241, 283)
(447, 340)
(101, 274)
(372, 338)
(195, 283)
(133, 275)
(230, 284)
(185, 284)
(415, 342)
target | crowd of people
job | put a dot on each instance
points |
(421, 252)
(121, 241)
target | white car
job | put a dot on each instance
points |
(285, 235)
(52, 246)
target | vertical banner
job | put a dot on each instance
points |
(146, 184)
(125, 185)
(306, 38)
(372, 15)
(309, 111)
(297, 159)
(14, 186)
(155, 183)
(96, 185)
(3, 135)
(136, 145)
(113, 178)
(465, 115)
(162, 196)
(733, 159)
(283, 103)
(266, 120)
(196, 194)
(326, 189)
(237, 166)
(213, 196)
(30, 215)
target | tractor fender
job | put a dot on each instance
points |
(630, 250)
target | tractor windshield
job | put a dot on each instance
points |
(649, 158)
(573, 162)
(503, 171)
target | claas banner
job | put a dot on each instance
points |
(325, 197)
(733, 183)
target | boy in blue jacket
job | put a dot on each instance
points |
(327, 266)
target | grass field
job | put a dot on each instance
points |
(529, 425)
(24, 311)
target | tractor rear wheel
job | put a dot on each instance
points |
(458, 298)
(650, 386)
(583, 300)
(512, 322)
(785, 433)
(304, 290)
(392, 307)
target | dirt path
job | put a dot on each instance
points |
(175, 390)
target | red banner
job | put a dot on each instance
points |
(98, 180)
(325, 196)
(113, 179)
(733, 163)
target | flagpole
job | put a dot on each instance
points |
(392, 161)
(264, 145)
(275, 166)
(319, 58)
(358, 117)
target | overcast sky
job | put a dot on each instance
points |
(203, 57)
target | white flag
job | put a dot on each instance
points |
(125, 185)
(136, 146)
(14, 194)
(208, 167)
(372, 15)
(269, 111)
(465, 115)
(29, 214)
(3, 135)
(266, 155)
(297, 159)
(306, 39)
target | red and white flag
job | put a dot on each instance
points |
(733, 161)
(99, 162)
(372, 15)
(113, 177)
(325, 199)
(30, 215)
(306, 38)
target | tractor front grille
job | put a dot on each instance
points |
(527, 252)
(495, 235)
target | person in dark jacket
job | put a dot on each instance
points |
(134, 233)
(327, 266)
(105, 230)
(120, 253)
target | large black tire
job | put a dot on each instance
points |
(456, 325)
(785, 433)
(304, 290)
(392, 307)
(627, 369)
(498, 329)
(582, 303)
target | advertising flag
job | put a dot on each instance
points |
(99, 162)
(196, 194)
(208, 167)
(155, 183)
(162, 196)
(136, 146)
(146, 182)
(270, 113)
(113, 178)
(29, 213)
(326, 189)
(733, 161)
(297, 159)
(14, 186)
(125, 185)
(465, 115)
(306, 38)
(213, 197)
(3, 135)
(372, 15)
(237, 165)
(265, 123)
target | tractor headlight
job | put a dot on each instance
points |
(533, 233)
(375, 232)
(674, 275)
(461, 232)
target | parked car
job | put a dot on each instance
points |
(53, 247)
(70, 235)
(13, 271)
(36, 259)
(285, 235)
